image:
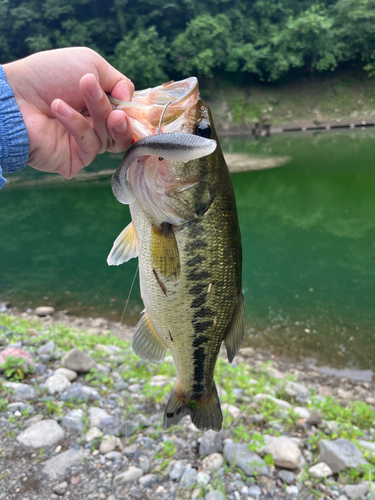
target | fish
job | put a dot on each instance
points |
(185, 233)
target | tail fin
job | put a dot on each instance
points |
(205, 413)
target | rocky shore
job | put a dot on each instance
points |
(81, 418)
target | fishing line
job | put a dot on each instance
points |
(130, 291)
(126, 305)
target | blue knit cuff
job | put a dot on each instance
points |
(14, 140)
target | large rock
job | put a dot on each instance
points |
(212, 442)
(42, 434)
(78, 361)
(17, 353)
(55, 384)
(22, 392)
(59, 464)
(248, 461)
(340, 454)
(285, 453)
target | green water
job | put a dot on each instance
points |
(308, 233)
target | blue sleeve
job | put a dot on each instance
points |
(14, 140)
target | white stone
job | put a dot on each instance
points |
(301, 412)
(96, 415)
(93, 433)
(159, 380)
(108, 444)
(69, 374)
(56, 384)
(132, 474)
(42, 434)
(231, 409)
(285, 453)
(320, 470)
(213, 461)
(44, 311)
(284, 405)
(60, 488)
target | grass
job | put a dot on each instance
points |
(353, 421)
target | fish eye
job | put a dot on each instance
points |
(203, 129)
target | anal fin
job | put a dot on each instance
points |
(125, 247)
(235, 336)
(146, 344)
(205, 413)
(164, 251)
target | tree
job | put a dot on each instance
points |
(142, 57)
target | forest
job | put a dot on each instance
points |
(156, 40)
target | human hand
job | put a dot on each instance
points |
(67, 115)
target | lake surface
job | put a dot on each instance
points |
(308, 233)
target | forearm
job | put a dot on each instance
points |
(14, 140)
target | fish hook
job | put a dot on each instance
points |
(162, 116)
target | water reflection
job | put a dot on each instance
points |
(308, 238)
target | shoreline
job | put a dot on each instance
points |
(87, 423)
(306, 368)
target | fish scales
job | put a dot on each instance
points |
(192, 309)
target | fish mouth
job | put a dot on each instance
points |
(147, 107)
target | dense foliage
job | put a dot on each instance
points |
(154, 40)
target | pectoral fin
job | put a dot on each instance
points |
(235, 336)
(124, 248)
(164, 251)
(146, 344)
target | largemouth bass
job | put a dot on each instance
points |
(186, 236)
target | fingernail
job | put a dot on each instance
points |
(63, 109)
(121, 126)
(95, 90)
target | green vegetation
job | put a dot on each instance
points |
(352, 420)
(153, 41)
(15, 368)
